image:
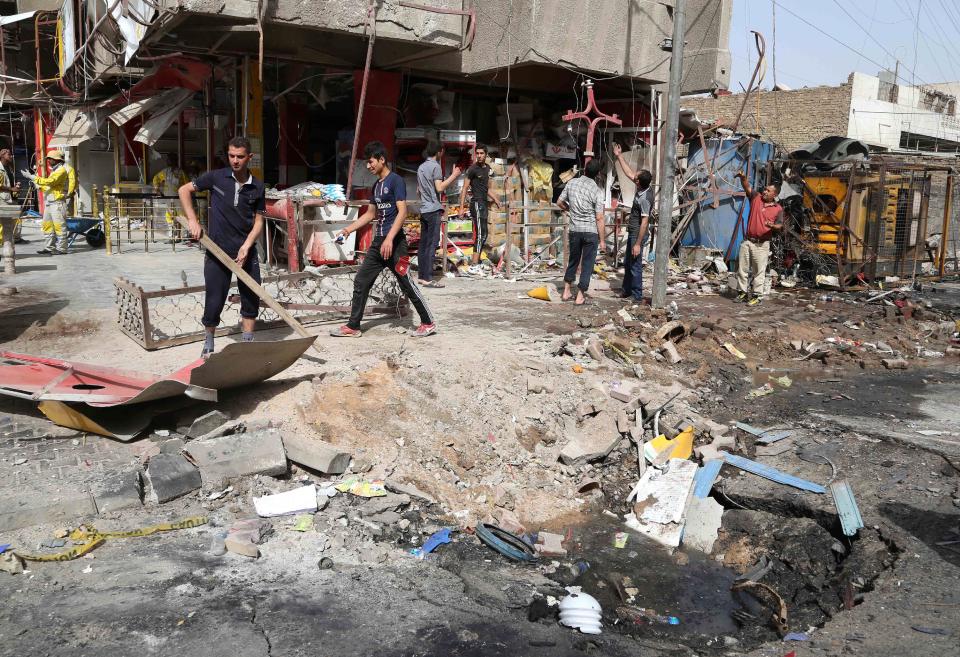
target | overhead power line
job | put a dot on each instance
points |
(833, 38)
(870, 36)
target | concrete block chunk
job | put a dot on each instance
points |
(237, 455)
(377, 505)
(121, 491)
(244, 536)
(703, 523)
(172, 446)
(592, 441)
(207, 423)
(38, 510)
(171, 476)
(316, 454)
(669, 350)
(712, 451)
(550, 545)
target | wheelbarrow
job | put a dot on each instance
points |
(91, 228)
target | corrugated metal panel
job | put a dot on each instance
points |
(847, 509)
(764, 436)
(772, 474)
(705, 477)
(713, 227)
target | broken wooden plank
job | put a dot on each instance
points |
(705, 477)
(772, 474)
(231, 264)
(847, 509)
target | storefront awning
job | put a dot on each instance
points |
(16, 18)
(75, 127)
(157, 124)
(166, 99)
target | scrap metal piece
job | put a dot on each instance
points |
(766, 595)
(508, 544)
(39, 378)
(68, 416)
(772, 474)
(847, 509)
(703, 481)
(244, 363)
(764, 436)
(757, 571)
(56, 383)
(156, 319)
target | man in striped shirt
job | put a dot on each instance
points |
(583, 200)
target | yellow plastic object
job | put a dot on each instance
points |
(541, 178)
(577, 369)
(680, 447)
(67, 416)
(733, 350)
(87, 537)
(542, 293)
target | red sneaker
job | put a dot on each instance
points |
(424, 330)
(345, 332)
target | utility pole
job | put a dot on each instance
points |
(669, 162)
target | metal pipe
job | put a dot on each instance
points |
(761, 50)
(947, 207)
(372, 23)
(670, 132)
(584, 115)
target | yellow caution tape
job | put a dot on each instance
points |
(92, 538)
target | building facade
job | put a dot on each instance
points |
(874, 109)
(289, 74)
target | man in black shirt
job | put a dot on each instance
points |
(237, 204)
(388, 204)
(478, 186)
(637, 225)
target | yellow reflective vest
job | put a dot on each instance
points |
(169, 180)
(60, 184)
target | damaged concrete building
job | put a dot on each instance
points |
(290, 76)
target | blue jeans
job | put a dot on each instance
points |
(633, 269)
(427, 248)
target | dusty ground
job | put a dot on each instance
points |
(456, 416)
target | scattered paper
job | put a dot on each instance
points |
(298, 500)
(361, 488)
(304, 523)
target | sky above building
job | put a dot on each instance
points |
(823, 41)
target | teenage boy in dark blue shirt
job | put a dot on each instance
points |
(237, 204)
(389, 247)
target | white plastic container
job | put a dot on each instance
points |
(581, 611)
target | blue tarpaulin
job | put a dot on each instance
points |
(713, 227)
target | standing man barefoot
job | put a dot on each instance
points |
(237, 204)
(583, 199)
(389, 248)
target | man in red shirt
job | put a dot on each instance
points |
(766, 216)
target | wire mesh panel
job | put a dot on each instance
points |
(142, 220)
(165, 318)
(898, 220)
(865, 219)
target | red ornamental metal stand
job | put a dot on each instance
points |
(594, 122)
